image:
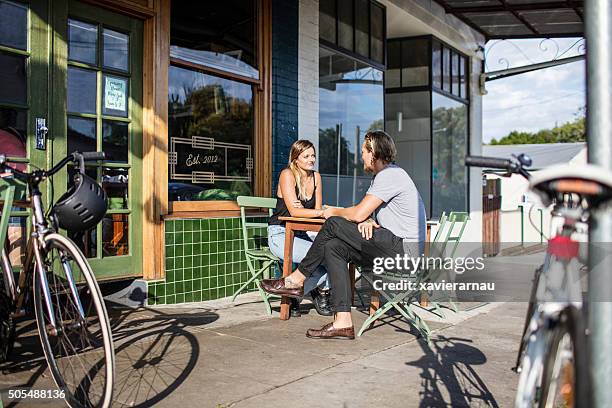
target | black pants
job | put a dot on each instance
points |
(340, 242)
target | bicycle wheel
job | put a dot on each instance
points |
(7, 325)
(564, 380)
(80, 352)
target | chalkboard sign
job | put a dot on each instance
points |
(202, 160)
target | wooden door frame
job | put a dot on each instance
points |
(156, 62)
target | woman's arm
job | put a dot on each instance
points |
(287, 185)
(319, 191)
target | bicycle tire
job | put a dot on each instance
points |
(7, 325)
(530, 309)
(568, 333)
(94, 386)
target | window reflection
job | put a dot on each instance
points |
(221, 35)
(351, 100)
(449, 177)
(211, 137)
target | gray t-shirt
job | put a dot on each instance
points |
(402, 211)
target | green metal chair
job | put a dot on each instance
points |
(259, 258)
(404, 301)
(447, 233)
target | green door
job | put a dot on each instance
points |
(76, 69)
(97, 106)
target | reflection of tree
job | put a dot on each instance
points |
(328, 154)
(209, 111)
(450, 148)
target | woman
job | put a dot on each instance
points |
(299, 194)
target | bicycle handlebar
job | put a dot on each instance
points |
(491, 162)
(74, 157)
(510, 166)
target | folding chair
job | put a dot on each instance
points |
(256, 254)
(455, 221)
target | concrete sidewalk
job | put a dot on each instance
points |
(219, 354)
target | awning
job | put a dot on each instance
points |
(497, 19)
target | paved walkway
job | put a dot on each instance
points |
(218, 354)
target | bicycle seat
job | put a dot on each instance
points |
(594, 183)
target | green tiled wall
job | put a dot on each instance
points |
(204, 261)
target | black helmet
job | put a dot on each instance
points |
(82, 206)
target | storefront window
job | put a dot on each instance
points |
(449, 145)
(351, 102)
(429, 121)
(211, 137)
(219, 35)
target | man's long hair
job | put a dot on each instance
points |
(381, 145)
(298, 148)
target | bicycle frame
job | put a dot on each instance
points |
(34, 257)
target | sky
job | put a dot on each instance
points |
(535, 100)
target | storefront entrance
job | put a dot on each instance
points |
(76, 69)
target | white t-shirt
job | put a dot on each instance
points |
(402, 211)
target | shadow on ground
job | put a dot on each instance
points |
(155, 352)
(448, 375)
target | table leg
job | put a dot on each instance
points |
(287, 265)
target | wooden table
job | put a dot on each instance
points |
(293, 224)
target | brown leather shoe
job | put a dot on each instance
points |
(330, 332)
(277, 287)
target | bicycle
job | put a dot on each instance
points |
(552, 357)
(72, 320)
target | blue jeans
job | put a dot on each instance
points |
(276, 241)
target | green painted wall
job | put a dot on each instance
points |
(204, 261)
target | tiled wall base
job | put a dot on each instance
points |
(204, 261)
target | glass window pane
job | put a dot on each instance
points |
(115, 141)
(13, 79)
(392, 74)
(351, 96)
(13, 134)
(87, 240)
(345, 24)
(82, 41)
(81, 90)
(115, 96)
(450, 138)
(446, 79)
(115, 235)
(81, 134)
(436, 64)
(219, 34)
(362, 30)
(413, 141)
(13, 24)
(377, 37)
(115, 49)
(327, 20)
(455, 73)
(463, 77)
(115, 183)
(211, 137)
(415, 62)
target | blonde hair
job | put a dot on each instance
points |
(298, 147)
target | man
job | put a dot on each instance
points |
(350, 235)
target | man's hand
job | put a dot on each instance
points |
(367, 227)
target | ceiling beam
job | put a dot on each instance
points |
(520, 18)
(569, 4)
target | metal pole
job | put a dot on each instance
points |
(598, 32)
(356, 161)
(339, 134)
